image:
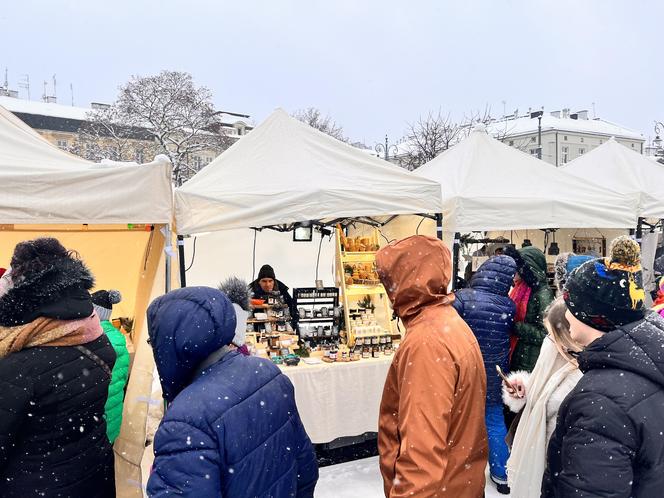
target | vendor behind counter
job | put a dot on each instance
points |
(266, 283)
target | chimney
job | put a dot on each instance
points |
(566, 112)
(583, 114)
(555, 114)
(99, 105)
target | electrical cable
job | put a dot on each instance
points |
(253, 264)
(417, 230)
(193, 256)
(320, 245)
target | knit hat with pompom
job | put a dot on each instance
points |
(608, 293)
(103, 301)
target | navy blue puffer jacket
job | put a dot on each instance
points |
(489, 312)
(232, 428)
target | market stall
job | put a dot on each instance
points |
(116, 217)
(285, 175)
(488, 186)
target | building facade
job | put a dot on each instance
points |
(61, 126)
(564, 135)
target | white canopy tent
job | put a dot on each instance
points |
(487, 185)
(623, 170)
(43, 184)
(286, 172)
(116, 217)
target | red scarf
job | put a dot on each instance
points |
(520, 294)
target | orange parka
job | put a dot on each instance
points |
(432, 437)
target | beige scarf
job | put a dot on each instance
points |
(49, 332)
(525, 467)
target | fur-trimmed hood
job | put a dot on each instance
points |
(60, 291)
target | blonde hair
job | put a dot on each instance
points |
(559, 327)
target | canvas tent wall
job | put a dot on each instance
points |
(116, 218)
(284, 171)
(487, 185)
(615, 167)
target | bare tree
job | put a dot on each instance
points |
(427, 138)
(314, 118)
(104, 136)
(165, 113)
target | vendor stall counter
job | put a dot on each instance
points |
(339, 399)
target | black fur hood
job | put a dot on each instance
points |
(60, 291)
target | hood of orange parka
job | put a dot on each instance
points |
(416, 272)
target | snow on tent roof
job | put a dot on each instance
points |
(80, 113)
(43, 184)
(614, 166)
(524, 125)
(487, 185)
(284, 171)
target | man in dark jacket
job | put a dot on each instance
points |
(231, 428)
(266, 284)
(608, 441)
(489, 313)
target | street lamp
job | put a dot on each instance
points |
(538, 115)
(657, 142)
(386, 149)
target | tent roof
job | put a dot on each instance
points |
(614, 166)
(43, 184)
(487, 185)
(284, 171)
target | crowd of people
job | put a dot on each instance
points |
(560, 396)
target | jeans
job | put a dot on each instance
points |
(498, 451)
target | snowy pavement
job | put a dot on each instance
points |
(361, 479)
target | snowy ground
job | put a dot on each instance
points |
(361, 479)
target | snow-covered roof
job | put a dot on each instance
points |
(80, 113)
(526, 125)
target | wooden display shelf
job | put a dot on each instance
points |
(358, 257)
(363, 290)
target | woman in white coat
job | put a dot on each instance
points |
(538, 396)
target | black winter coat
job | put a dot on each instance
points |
(258, 293)
(609, 440)
(52, 430)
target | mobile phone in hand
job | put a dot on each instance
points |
(505, 380)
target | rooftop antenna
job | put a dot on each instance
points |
(594, 115)
(6, 78)
(71, 89)
(44, 98)
(55, 93)
(504, 108)
(24, 82)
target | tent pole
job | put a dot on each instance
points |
(439, 226)
(167, 252)
(183, 275)
(639, 230)
(455, 259)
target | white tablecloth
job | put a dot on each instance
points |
(339, 399)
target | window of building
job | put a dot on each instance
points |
(198, 162)
(140, 156)
(582, 151)
(564, 137)
(565, 155)
(632, 146)
(533, 152)
(533, 139)
(601, 142)
(62, 144)
(581, 139)
(511, 143)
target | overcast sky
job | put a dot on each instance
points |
(372, 65)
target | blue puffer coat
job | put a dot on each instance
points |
(232, 428)
(489, 312)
